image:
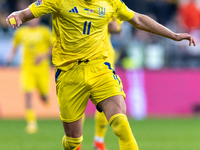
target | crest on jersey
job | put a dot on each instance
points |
(89, 11)
(102, 12)
(38, 3)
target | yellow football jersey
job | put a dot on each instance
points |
(35, 41)
(111, 52)
(80, 27)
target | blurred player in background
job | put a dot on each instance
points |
(35, 67)
(101, 122)
(80, 55)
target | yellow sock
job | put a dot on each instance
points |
(70, 143)
(121, 128)
(31, 121)
(100, 124)
(30, 115)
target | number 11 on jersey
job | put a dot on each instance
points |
(86, 28)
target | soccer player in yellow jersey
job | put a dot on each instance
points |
(80, 52)
(114, 26)
(35, 67)
(101, 122)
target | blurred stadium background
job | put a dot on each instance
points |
(161, 79)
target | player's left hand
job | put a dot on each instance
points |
(39, 59)
(185, 36)
(112, 26)
(13, 20)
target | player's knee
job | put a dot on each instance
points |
(118, 123)
(70, 143)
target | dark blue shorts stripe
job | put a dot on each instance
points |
(109, 66)
(57, 74)
(114, 75)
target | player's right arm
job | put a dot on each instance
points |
(15, 43)
(35, 10)
(19, 18)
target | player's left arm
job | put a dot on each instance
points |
(145, 23)
(46, 55)
(11, 55)
(15, 19)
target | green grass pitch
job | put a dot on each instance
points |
(151, 134)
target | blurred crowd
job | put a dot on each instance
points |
(135, 48)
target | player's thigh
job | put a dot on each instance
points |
(43, 82)
(72, 94)
(113, 105)
(105, 83)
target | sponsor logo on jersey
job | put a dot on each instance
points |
(102, 12)
(74, 10)
(38, 3)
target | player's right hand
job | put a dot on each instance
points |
(13, 21)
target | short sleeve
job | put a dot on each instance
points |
(122, 11)
(42, 7)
